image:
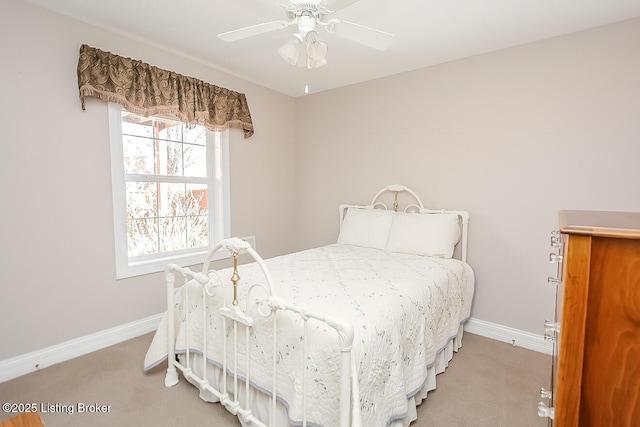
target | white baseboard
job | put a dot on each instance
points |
(512, 336)
(40, 359)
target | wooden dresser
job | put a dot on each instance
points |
(26, 419)
(597, 330)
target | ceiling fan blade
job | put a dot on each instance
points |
(370, 37)
(254, 30)
(335, 5)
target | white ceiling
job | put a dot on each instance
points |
(427, 32)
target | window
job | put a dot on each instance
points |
(170, 191)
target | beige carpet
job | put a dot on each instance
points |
(488, 383)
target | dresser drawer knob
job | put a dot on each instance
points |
(545, 394)
(551, 330)
(545, 411)
(551, 326)
(555, 258)
(554, 281)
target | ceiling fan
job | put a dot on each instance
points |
(305, 48)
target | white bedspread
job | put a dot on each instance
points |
(404, 309)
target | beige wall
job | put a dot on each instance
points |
(57, 280)
(511, 136)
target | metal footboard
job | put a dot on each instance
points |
(237, 318)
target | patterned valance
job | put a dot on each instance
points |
(147, 90)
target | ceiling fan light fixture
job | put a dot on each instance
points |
(303, 56)
(290, 51)
(312, 63)
(305, 48)
(316, 47)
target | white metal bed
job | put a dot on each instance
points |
(252, 329)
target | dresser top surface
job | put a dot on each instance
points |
(601, 223)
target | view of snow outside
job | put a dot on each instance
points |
(166, 190)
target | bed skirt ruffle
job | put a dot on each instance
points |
(260, 401)
(438, 366)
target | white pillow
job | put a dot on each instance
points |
(366, 227)
(433, 235)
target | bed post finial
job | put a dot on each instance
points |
(395, 201)
(235, 278)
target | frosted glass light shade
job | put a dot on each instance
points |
(307, 52)
(316, 64)
(316, 47)
(290, 51)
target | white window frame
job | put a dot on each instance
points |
(218, 198)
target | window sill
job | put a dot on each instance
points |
(158, 264)
(139, 268)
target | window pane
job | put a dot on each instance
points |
(195, 160)
(168, 129)
(169, 158)
(138, 154)
(142, 200)
(173, 234)
(173, 199)
(197, 231)
(142, 236)
(196, 199)
(195, 134)
(136, 125)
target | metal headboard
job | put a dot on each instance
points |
(417, 207)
